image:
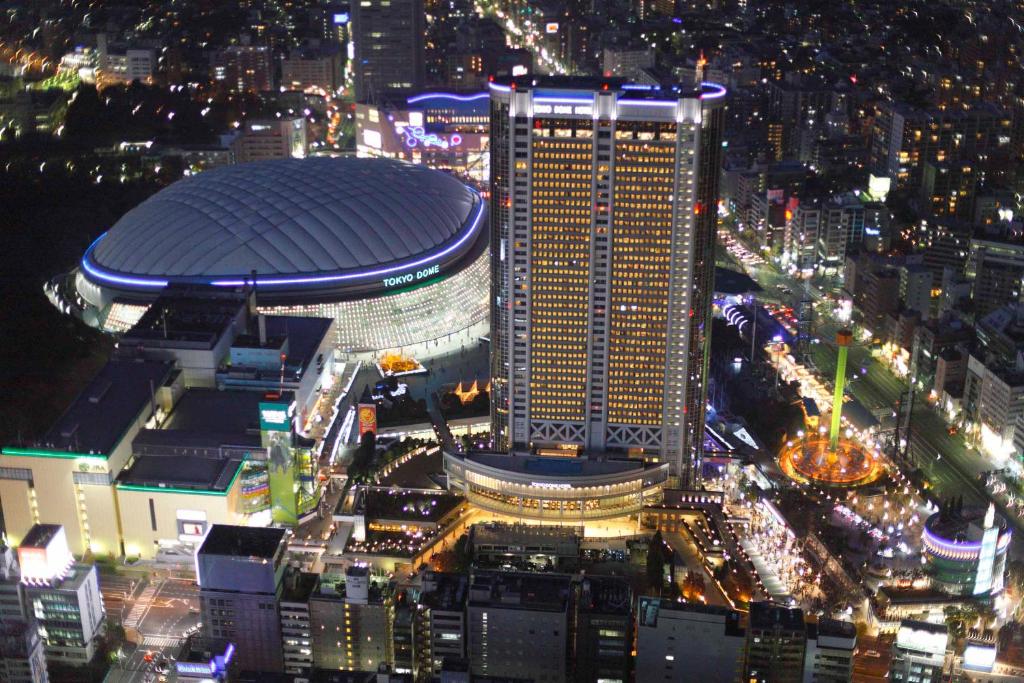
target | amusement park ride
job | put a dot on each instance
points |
(838, 460)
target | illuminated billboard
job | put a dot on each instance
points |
(551, 27)
(284, 507)
(367, 418)
(274, 417)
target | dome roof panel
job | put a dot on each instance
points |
(288, 217)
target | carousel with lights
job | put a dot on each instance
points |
(837, 460)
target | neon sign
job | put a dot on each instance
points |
(412, 276)
(415, 136)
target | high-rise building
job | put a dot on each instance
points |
(389, 46)
(273, 139)
(240, 570)
(603, 637)
(351, 619)
(916, 289)
(920, 652)
(62, 595)
(518, 626)
(243, 68)
(998, 271)
(296, 638)
(22, 658)
(604, 198)
(828, 657)
(682, 641)
(440, 628)
(904, 139)
(776, 644)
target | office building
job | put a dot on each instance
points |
(22, 656)
(62, 595)
(440, 628)
(243, 68)
(828, 657)
(919, 654)
(240, 571)
(296, 635)
(274, 139)
(203, 659)
(601, 289)
(998, 271)
(129, 64)
(313, 70)
(680, 640)
(776, 644)
(350, 620)
(916, 289)
(388, 36)
(603, 636)
(518, 626)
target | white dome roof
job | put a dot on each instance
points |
(309, 217)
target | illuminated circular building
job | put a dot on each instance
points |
(557, 489)
(815, 460)
(832, 461)
(394, 252)
(965, 550)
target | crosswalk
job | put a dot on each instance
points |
(160, 641)
(134, 617)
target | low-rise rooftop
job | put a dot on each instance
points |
(188, 472)
(102, 414)
(242, 541)
(540, 592)
(40, 535)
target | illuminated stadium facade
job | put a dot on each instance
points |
(394, 252)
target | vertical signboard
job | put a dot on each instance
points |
(367, 418)
(276, 433)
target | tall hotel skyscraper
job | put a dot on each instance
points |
(603, 207)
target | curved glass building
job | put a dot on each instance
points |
(965, 551)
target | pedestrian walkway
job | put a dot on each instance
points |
(161, 641)
(772, 583)
(142, 604)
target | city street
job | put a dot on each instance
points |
(951, 468)
(158, 615)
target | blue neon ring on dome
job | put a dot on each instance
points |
(116, 278)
